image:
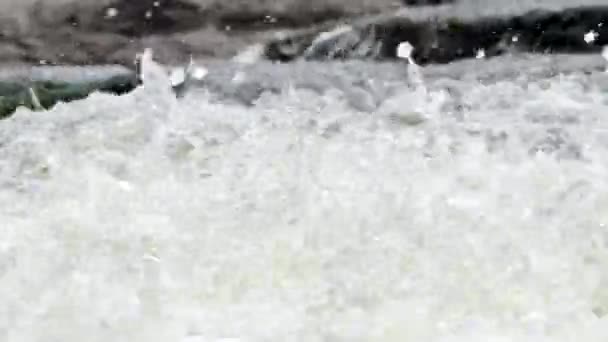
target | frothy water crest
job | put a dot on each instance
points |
(145, 218)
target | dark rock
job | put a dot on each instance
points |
(426, 2)
(261, 15)
(44, 94)
(113, 31)
(123, 17)
(563, 31)
(448, 39)
(263, 20)
(146, 17)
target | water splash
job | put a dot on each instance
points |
(142, 217)
(404, 51)
(184, 77)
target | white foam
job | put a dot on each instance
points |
(178, 76)
(299, 219)
(404, 51)
(334, 33)
(154, 76)
(198, 72)
(251, 54)
(605, 55)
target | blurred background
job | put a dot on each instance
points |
(94, 32)
(113, 31)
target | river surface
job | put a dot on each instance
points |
(314, 202)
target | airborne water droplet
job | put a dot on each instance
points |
(404, 51)
(199, 72)
(111, 12)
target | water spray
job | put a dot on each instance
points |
(605, 55)
(404, 51)
(182, 77)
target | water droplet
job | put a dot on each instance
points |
(590, 36)
(199, 72)
(404, 51)
(111, 12)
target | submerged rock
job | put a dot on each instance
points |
(442, 40)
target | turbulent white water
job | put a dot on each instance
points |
(457, 211)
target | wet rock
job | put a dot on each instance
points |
(263, 20)
(113, 31)
(426, 2)
(261, 15)
(122, 17)
(145, 17)
(572, 30)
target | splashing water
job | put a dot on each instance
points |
(145, 218)
(404, 51)
(605, 55)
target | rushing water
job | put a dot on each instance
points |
(450, 209)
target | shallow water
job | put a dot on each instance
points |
(455, 210)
